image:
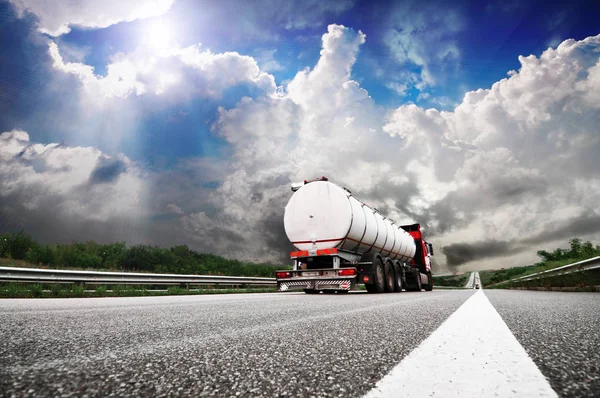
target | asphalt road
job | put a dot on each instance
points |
(560, 332)
(221, 345)
(268, 344)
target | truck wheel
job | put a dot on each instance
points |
(389, 277)
(378, 275)
(398, 278)
(310, 291)
(418, 285)
(429, 286)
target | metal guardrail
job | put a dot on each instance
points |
(585, 265)
(14, 274)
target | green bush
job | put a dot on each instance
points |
(452, 280)
(36, 290)
(173, 290)
(55, 289)
(12, 290)
(101, 290)
(78, 290)
(119, 290)
(15, 245)
(37, 254)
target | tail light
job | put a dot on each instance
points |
(281, 275)
(347, 272)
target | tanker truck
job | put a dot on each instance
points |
(341, 243)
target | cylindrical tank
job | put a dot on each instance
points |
(322, 215)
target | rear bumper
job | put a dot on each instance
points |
(333, 283)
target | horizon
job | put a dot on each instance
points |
(184, 123)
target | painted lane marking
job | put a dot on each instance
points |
(472, 354)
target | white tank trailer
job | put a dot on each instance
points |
(341, 243)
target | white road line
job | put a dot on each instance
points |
(472, 354)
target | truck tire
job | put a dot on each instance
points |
(310, 291)
(389, 276)
(415, 283)
(398, 278)
(429, 285)
(378, 275)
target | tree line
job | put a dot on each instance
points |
(118, 257)
(577, 250)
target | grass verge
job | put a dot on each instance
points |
(35, 290)
(451, 280)
(576, 281)
(493, 277)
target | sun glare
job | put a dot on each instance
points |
(158, 35)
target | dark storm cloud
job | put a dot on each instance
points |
(256, 197)
(442, 216)
(401, 194)
(46, 225)
(459, 208)
(515, 190)
(580, 226)
(437, 219)
(274, 234)
(107, 170)
(460, 253)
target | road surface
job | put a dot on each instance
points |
(473, 280)
(293, 344)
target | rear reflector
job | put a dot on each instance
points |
(325, 252)
(301, 253)
(284, 274)
(320, 252)
(366, 279)
(347, 272)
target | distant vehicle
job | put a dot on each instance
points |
(477, 286)
(343, 243)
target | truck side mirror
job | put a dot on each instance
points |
(430, 248)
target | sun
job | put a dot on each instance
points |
(158, 35)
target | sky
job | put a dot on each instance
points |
(171, 122)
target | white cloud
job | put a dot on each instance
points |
(57, 17)
(183, 73)
(323, 123)
(509, 162)
(511, 169)
(533, 146)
